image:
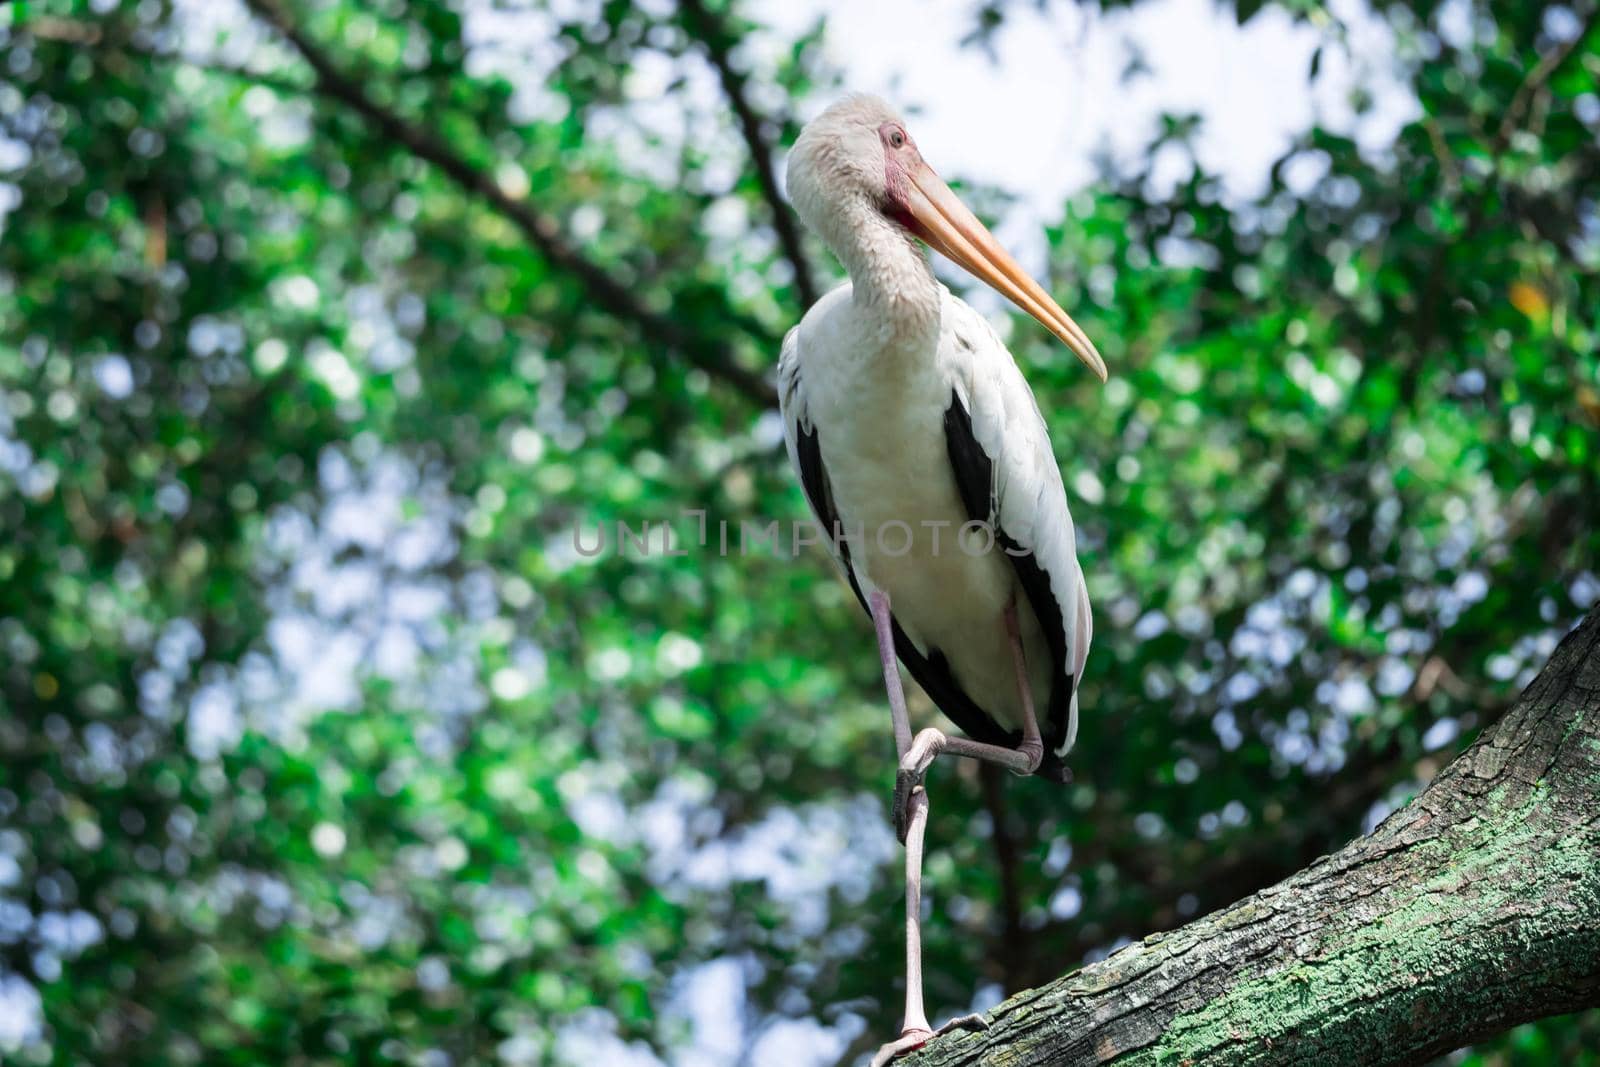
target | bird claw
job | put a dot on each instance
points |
(911, 1040)
(975, 1022)
(906, 786)
(925, 747)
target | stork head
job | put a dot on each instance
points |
(856, 161)
(843, 160)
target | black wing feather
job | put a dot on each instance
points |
(974, 472)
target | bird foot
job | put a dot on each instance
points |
(1032, 754)
(975, 1021)
(913, 1039)
(906, 792)
(909, 1041)
(908, 780)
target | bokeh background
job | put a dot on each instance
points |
(324, 324)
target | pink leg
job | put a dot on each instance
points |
(883, 623)
(914, 1029)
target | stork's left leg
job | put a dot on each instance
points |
(914, 1029)
(1024, 759)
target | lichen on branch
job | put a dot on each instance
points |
(1472, 909)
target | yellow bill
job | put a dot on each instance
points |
(945, 223)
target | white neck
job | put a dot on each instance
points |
(889, 272)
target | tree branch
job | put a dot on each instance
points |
(713, 36)
(1539, 77)
(54, 28)
(1267, 855)
(541, 231)
(1474, 908)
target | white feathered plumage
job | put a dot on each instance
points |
(896, 395)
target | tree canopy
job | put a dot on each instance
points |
(329, 339)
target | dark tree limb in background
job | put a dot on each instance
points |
(1538, 78)
(707, 28)
(1472, 909)
(608, 294)
(1011, 953)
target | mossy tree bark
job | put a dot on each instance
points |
(1472, 909)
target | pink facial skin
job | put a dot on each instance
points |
(898, 159)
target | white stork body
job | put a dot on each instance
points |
(876, 401)
(907, 419)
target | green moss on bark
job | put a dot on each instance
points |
(1475, 907)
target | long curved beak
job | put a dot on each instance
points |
(944, 222)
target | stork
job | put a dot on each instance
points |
(927, 464)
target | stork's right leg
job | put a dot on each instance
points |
(926, 746)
